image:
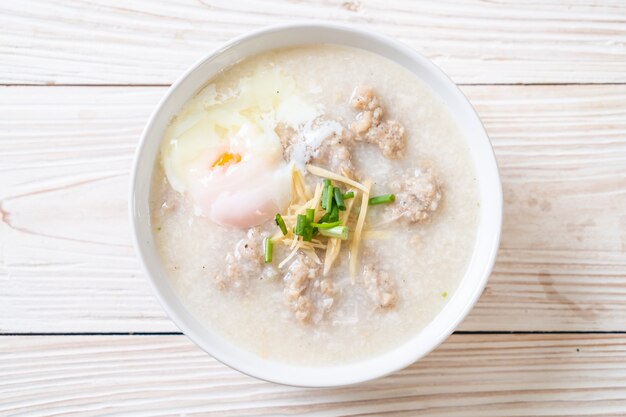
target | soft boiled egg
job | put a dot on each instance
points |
(222, 152)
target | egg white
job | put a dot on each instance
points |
(255, 183)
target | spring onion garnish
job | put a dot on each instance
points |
(310, 215)
(382, 199)
(327, 225)
(334, 214)
(268, 249)
(339, 199)
(330, 198)
(281, 223)
(300, 224)
(304, 228)
(348, 195)
(339, 232)
(330, 216)
(325, 193)
(324, 218)
(310, 218)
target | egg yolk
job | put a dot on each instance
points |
(226, 158)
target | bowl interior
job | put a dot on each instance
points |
(482, 259)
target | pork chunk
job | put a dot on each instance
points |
(418, 194)
(244, 263)
(335, 153)
(380, 287)
(389, 136)
(308, 295)
(370, 127)
(369, 107)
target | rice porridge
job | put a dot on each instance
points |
(314, 205)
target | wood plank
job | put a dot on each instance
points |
(66, 263)
(152, 42)
(65, 155)
(469, 375)
(562, 158)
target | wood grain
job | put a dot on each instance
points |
(65, 155)
(66, 264)
(562, 158)
(151, 42)
(469, 375)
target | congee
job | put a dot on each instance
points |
(314, 205)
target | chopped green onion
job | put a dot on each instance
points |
(300, 224)
(304, 228)
(310, 230)
(382, 199)
(339, 198)
(329, 198)
(268, 249)
(327, 225)
(310, 215)
(330, 216)
(348, 195)
(324, 218)
(308, 233)
(334, 214)
(339, 232)
(281, 223)
(325, 192)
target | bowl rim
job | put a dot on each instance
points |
(341, 374)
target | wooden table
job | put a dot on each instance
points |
(82, 334)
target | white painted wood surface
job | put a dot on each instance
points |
(152, 42)
(561, 150)
(469, 375)
(67, 266)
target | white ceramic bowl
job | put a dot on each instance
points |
(419, 344)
